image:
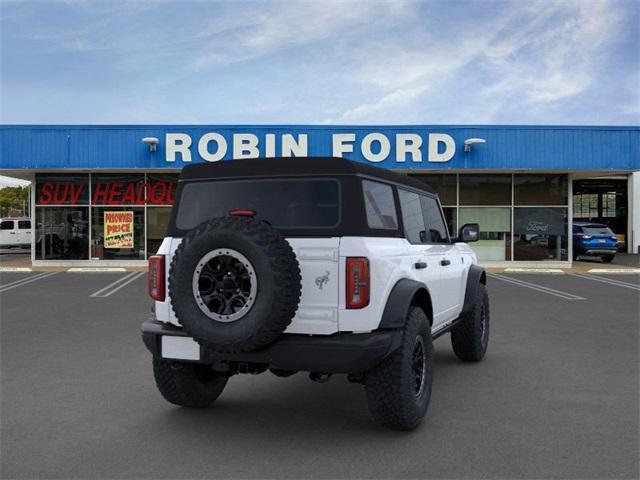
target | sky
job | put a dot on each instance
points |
(320, 62)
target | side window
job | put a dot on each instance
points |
(379, 204)
(6, 225)
(24, 224)
(412, 217)
(436, 228)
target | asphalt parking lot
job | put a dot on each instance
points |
(556, 397)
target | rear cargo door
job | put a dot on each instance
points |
(319, 267)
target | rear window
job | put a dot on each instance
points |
(290, 203)
(597, 230)
(6, 225)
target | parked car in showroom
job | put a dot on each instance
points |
(594, 240)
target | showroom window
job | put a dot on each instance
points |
(117, 189)
(540, 233)
(485, 189)
(101, 216)
(445, 185)
(62, 233)
(540, 189)
(117, 233)
(522, 216)
(495, 231)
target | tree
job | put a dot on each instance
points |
(14, 200)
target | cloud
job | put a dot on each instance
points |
(391, 101)
(254, 33)
(537, 53)
(304, 61)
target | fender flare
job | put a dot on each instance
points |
(475, 277)
(403, 294)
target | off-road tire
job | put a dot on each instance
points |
(469, 339)
(278, 279)
(391, 385)
(188, 384)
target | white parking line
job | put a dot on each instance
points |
(610, 281)
(535, 286)
(117, 285)
(24, 281)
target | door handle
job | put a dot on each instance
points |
(445, 262)
(419, 265)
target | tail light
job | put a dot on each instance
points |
(156, 277)
(358, 285)
(241, 212)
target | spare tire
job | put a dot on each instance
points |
(234, 283)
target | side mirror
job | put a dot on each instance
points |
(469, 232)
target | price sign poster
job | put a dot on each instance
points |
(118, 229)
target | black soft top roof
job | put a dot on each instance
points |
(293, 167)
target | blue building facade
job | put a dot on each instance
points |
(523, 184)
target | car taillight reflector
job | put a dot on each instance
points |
(358, 282)
(156, 277)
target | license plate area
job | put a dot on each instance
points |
(180, 348)
(601, 241)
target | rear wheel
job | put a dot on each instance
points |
(607, 258)
(188, 384)
(399, 388)
(470, 338)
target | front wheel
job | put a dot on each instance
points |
(470, 338)
(399, 389)
(188, 384)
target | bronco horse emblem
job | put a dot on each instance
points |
(322, 279)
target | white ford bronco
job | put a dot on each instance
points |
(320, 265)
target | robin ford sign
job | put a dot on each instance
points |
(374, 147)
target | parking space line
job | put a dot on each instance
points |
(535, 286)
(610, 281)
(117, 285)
(24, 281)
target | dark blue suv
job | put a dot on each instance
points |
(594, 239)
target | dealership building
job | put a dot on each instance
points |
(524, 185)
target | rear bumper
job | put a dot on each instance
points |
(338, 353)
(599, 251)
